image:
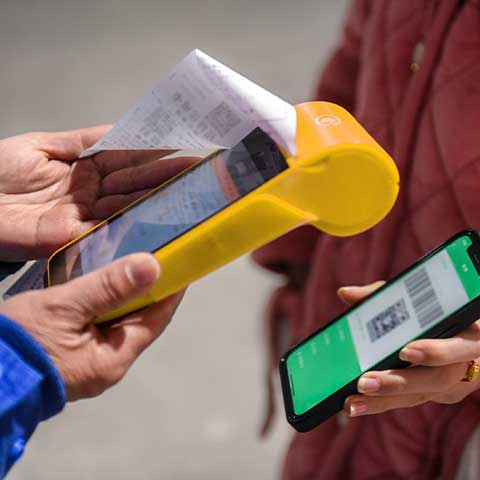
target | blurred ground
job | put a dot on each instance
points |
(190, 408)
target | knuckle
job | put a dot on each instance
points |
(113, 376)
(107, 377)
(436, 352)
(475, 328)
(63, 307)
(131, 353)
(110, 288)
(476, 349)
(35, 138)
(447, 377)
(398, 384)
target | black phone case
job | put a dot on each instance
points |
(334, 403)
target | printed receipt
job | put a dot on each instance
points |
(202, 104)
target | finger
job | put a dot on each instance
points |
(136, 332)
(354, 294)
(107, 206)
(437, 352)
(110, 287)
(145, 176)
(69, 145)
(410, 381)
(357, 405)
(109, 161)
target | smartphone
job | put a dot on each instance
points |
(437, 297)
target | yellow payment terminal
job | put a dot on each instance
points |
(238, 199)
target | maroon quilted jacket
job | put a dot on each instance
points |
(410, 72)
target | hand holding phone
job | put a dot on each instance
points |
(439, 365)
(437, 297)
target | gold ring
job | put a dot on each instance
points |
(473, 371)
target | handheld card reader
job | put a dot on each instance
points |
(235, 200)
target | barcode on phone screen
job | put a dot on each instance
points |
(423, 297)
(425, 304)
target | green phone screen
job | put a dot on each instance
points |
(364, 336)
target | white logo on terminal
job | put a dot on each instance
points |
(327, 120)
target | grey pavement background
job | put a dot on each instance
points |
(191, 406)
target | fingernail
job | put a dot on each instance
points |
(346, 290)
(360, 289)
(357, 408)
(368, 385)
(412, 355)
(143, 271)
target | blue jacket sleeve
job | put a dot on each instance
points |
(31, 390)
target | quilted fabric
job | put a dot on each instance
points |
(427, 116)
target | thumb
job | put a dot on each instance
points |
(353, 294)
(112, 286)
